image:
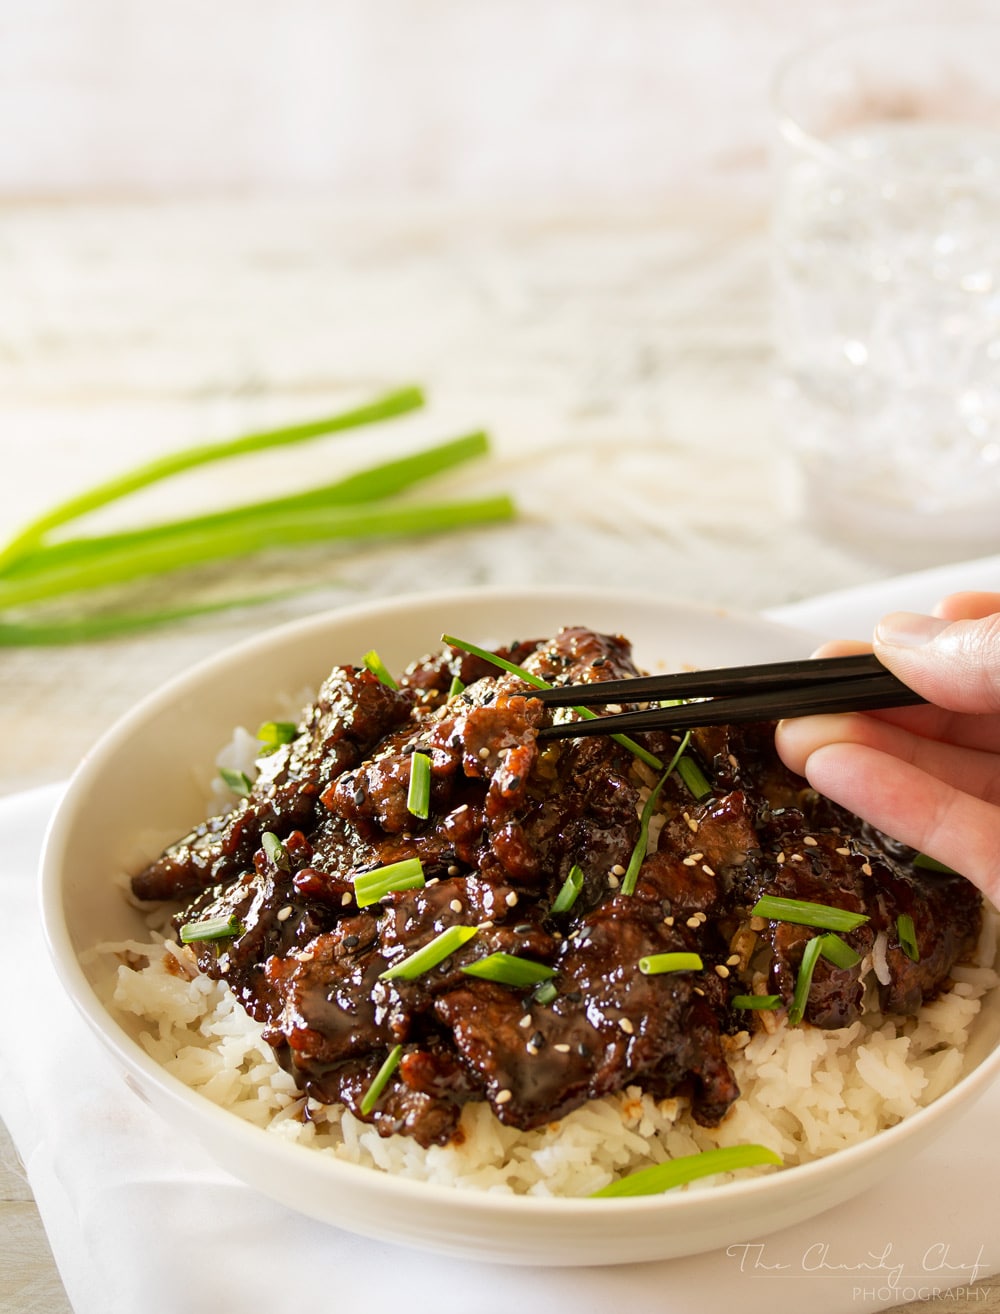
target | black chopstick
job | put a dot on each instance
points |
(838, 690)
(712, 683)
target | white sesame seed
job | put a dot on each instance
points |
(697, 856)
(668, 921)
(692, 825)
(733, 960)
(434, 880)
(617, 870)
(613, 881)
(866, 867)
(626, 1026)
(707, 869)
(690, 862)
(698, 991)
(346, 898)
(796, 857)
(510, 899)
(487, 925)
(525, 1021)
(811, 841)
(504, 1096)
(285, 913)
(721, 970)
(844, 852)
(781, 856)
(483, 755)
(455, 905)
(562, 1048)
(693, 922)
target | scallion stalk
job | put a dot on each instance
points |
(381, 1079)
(906, 932)
(838, 951)
(765, 1002)
(639, 851)
(423, 960)
(805, 913)
(238, 781)
(374, 663)
(800, 997)
(371, 886)
(211, 928)
(275, 850)
(656, 964)
(418, 794)
(509, 969)
(272, 734)
(570, 890)
(677, 1172)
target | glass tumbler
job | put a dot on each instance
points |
(886, 262)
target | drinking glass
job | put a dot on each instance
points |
(886, 257)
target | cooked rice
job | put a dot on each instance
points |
(805, 1092)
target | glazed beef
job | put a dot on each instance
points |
(513, 823)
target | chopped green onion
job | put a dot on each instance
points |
(766, 1002)
(238, 781)
(418, 797)
(694, 779)
(545, 993)
(212, 928)
(676, 1172)
(810, 956)
(639, 851)
(838, 951)
(805, 913)
(381, 1079)
(570, 891)
(374, 663)
(275, 850)
(907, 934)
(440, 948)
(537, 682)
(371, 886)
(273, 734)
(456, 687)
(509, 969)
(928, 863)
(655, 964)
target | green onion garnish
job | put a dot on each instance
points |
(838, 951)
(440, 948)
(655, 964)
(381, 1079)
(456, 687)
(272, 734)
(928, 863)
(275, 850)
(907, 934)
(508, 969)
(418, 796)
(371, 886)
(570, 891)
(545, 993)
(676, 1172)
(238, 781)
(810, 956)
(639, 851)
(212, 928)
(756, 1001)
(805, 913)
(538, 683)
(374, 663)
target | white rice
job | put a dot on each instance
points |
(805, 1092)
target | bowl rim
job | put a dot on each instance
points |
(258, 1140)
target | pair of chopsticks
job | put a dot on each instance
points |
(731, 695)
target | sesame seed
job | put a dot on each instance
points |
(455, 905)
(757, 923)
(532, 1049)
(453, 871)
(697, 856)
(781, 856)
(525, 1021)
(562, 1048)
(510, 899)
(668, 921)
(626, 1026)
(487, 925)
(733, 960)
(346, 898)
(617, 870)
(844, 852)
(504, 1096)
(698, 991)
(866, 867)
(434, 880)
(693, 922)
(721, 970)
(796, 857)
(285, 913)
(692, 825)
(732, 760)
(811, 841)
(613, 881)
(690, 862)
(707, 869)
(483, 755)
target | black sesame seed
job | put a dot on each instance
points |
(350, 941)
(522, 928)
(538, 1040)
(583, 1050)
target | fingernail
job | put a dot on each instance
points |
(909, 629)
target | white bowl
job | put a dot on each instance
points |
(146, 782)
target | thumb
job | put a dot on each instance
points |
(954, 664)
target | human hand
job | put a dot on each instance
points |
(928, 776)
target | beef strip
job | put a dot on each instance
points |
(509, 819)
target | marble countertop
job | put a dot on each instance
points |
(620, 362)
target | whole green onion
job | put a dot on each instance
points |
(440, 948)
(677, 1172)
(805, 913)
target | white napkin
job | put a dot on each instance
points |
(138, 1220)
